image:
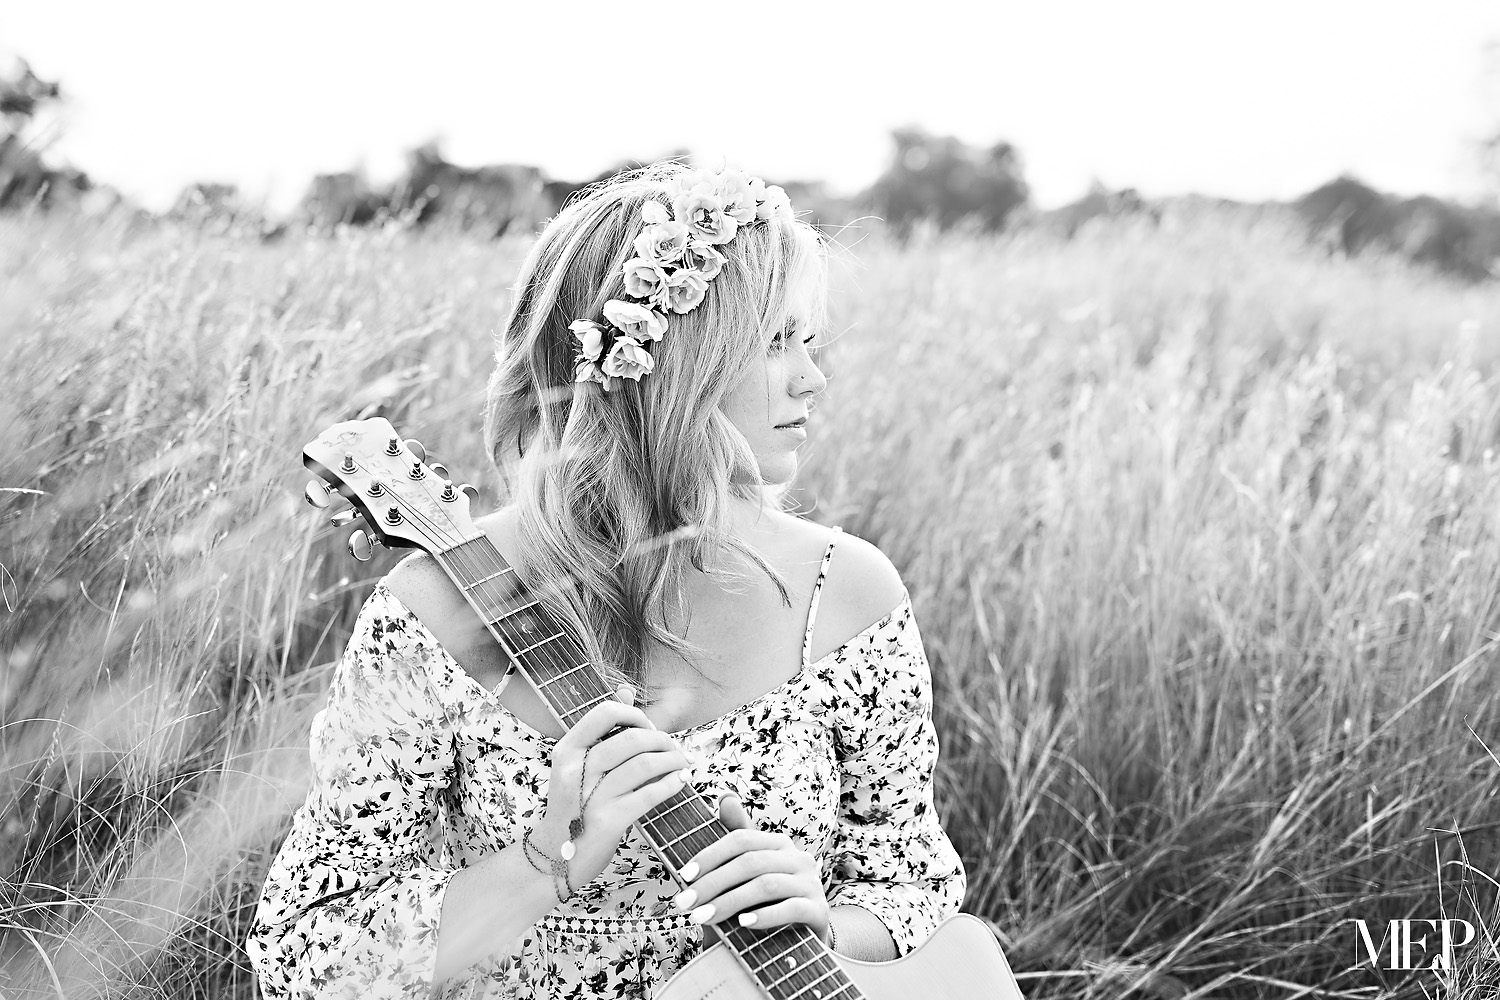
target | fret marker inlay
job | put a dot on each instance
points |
(538, 645)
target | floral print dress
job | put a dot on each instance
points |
(419, 771)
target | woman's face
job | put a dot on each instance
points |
(770, 404)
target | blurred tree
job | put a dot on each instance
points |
(220, 208)
(20, 96)
(25, 177)
(486, 199)
(945, 180)
(1351, 216)
(1099, 203)
(343, 199)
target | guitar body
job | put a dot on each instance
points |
(961, 961)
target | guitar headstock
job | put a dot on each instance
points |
(404, 501)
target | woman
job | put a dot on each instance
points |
(650, 395)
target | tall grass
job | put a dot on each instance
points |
(1200, 525)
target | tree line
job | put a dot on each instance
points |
(929, 180)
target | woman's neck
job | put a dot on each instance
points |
(750, 517)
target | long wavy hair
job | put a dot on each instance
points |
(618, 494)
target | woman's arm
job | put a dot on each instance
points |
(354, 898)
(889, 854)
(890, 874)
(356, 901)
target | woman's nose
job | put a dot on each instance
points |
(808, 379)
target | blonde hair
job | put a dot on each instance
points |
(617, 494)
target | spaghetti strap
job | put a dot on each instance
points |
(812, 609)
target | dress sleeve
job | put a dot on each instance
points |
(351, 904)
(889, 852)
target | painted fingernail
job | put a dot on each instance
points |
(702, 914)
(688, 872)
(685, 775)
(625, 693)
(685, 899)
(747, 920)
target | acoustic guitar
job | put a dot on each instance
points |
(407, 503)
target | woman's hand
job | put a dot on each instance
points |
(608, 780)
(757, 879)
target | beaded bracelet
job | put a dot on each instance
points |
(833, 939)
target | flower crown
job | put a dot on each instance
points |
(674, 261)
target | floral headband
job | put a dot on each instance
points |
(674, 261)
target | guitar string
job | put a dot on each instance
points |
(819, 964)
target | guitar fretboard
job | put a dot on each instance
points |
(790, 963)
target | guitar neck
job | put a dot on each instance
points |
(789, 962)
(545, 649)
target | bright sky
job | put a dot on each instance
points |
(1263, 99)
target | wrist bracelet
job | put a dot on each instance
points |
(559, 869)
(833, 939)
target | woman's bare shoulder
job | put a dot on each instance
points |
(861, 588)
(418, 582)
(862, 579)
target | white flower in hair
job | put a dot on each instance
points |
(628, 359)
(644, 279)
(685, 290)
(589, 371)
(738, 196)
(776, 204)
(635, 320)
(703, 212)
(704, 259)
(654, 213)
(590, 338)
(662, 242)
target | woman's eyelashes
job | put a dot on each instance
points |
(783, 338)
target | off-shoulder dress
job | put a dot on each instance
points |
(418, 771)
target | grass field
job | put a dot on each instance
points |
(1200, 525)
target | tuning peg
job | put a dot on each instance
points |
(470, 490)
(344, 517)
(318, 494)
(361, 545)
(417, 449)
(439, 469)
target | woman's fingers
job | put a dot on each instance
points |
(610, 753)
(751, 874)
(732, 813)
(638, 771)
(800, 910)
(804, 895)
(632, 806)
(597, 723)
(730, 846)
(749, 868)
